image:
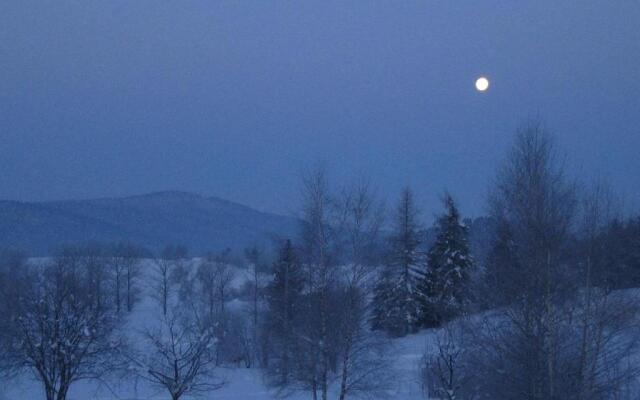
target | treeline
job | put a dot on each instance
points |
(556, 324)
(542, 315)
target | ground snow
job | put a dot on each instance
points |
(242, 383)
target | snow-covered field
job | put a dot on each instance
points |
(242, 383)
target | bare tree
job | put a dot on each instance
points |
(605, 332)
(593, 355)
(555, 336)
(91, 257)
(172, 259)
(13, 267)
(124, 259)
(309, 335)
(444, 372)
(224, 275)
(318, 307)
(179, 357)
(210, 290)
(533, 205)
(62, 332)
(256, 271)
(364, 365)
(361, 218)
(205, 287)
(318, 258)
(364, 357)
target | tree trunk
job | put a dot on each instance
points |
(165, 292)
(550, 337)
(324, 372)
(50, 392)
(345, 372)
(585, 333)
(62, 392)
(118, 291)
(254, 339)
(351, 328)
(285, 326)
(129, 289)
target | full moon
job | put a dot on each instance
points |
(482, 84)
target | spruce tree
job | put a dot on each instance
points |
(395, 309)
(444, 291)
(284, 303)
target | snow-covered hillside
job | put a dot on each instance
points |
(241, 383)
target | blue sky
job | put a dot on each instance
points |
(235, 99)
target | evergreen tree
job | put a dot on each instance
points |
(618, 263)
(443, 292)
(395, 308)
(284, 302)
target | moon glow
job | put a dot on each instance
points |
(482, 84)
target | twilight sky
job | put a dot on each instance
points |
(235, 98)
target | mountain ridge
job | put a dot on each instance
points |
(151, 220)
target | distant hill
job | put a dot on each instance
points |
(201, 223)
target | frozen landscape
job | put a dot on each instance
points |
(320, 200)
(240, 382)
(361, 302)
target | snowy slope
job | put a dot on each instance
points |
(242, 383)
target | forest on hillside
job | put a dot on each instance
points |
(547, 309)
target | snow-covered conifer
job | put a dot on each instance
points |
(443, 292)
(395, 308)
